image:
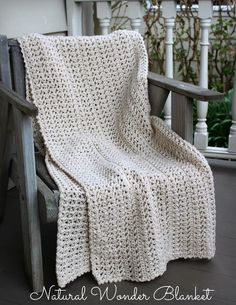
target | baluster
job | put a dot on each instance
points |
(104, 16)
(205, 15)
(169, 14)
(88, 22)
(232, 135)
(135, 14)
(74, 18)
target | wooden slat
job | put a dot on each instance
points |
(10, 97)
(18, 68)
(182, 118)
(189, 90)
(18, 81)
(48, 200)
(5, 74)
(157, 99)
(27, 181)
(6, 144)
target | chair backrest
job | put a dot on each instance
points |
(12, 74)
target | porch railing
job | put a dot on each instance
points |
(83, 19)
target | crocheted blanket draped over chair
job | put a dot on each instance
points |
(133, 194)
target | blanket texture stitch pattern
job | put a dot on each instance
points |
(133, 194)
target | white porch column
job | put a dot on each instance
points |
(104, 16)
(232, 135)
(169, 14)
(205, 15)
(135, 13)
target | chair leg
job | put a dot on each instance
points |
(5, 124)
(6, 152)
(28, 200)
(31, 238)
(4, 178)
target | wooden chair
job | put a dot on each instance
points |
(38, 193)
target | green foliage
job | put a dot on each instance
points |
(219, 121)
(222, 55)
(222, 48)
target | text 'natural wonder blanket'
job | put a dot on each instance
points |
(133, 194)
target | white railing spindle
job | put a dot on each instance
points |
(74, 18)
(169, 14)
(104, 16)
(135, 14)
(205, 15)
(88, 20)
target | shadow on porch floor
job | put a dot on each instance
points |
(218, 274)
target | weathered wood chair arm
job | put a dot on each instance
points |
(11, 97)
(185, 89)
(183, 95)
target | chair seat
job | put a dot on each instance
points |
(43, 173)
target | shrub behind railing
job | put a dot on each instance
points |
(222, 56)
(222, 49)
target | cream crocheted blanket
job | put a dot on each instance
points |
(133, 194)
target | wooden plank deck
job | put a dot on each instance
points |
(218, 274)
